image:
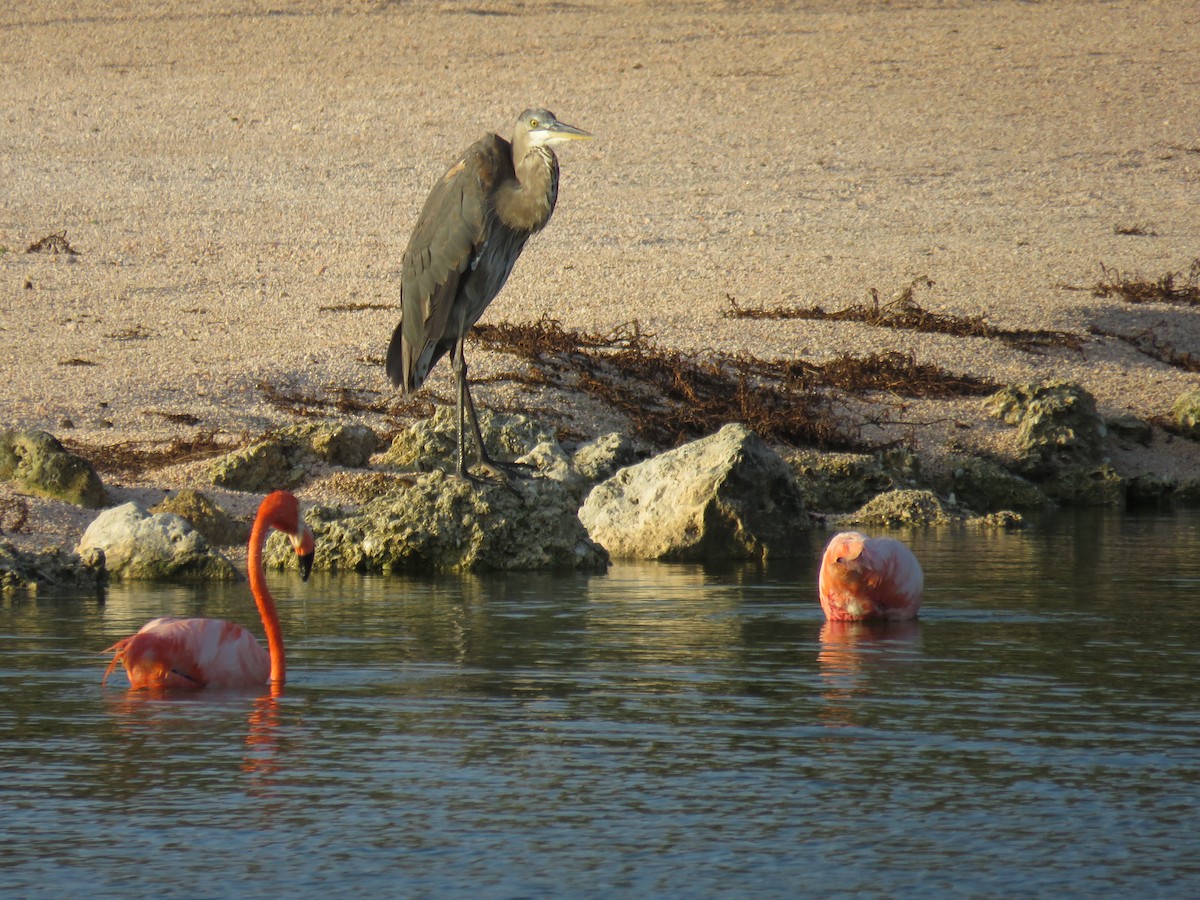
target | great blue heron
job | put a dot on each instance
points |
(471, 230)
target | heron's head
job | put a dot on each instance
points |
(540, 128)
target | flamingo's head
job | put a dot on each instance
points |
(305, 547)
(842, 578)
(844, 557)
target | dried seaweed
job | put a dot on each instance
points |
(53, 243)
(178, 418)
(667, 396)
(355, 307)
(1149, 343)
(900, 373)
(343, 400)
(1174, 287)
(1135, 230)
(131, 458)
(906, 314)
(534, 340)
(77, 361)
(670, 396)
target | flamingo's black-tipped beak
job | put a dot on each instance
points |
(306, 548)
(306, 561)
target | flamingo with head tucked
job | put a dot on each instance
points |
(869, 578)
(195, 653)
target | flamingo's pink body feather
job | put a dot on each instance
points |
(195, 653)
(192, 654)
(869, 578)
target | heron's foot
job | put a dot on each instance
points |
(494, 472)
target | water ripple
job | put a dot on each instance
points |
(663, 730)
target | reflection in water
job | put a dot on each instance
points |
(262, 742)
(660, 614)
(855, 656)
(176, 722)
(659, 730)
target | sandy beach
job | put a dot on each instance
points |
(239, 180)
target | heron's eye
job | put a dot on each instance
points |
(533, 123)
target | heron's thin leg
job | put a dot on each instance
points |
(485, 459)
(467, 405)
(480, 449)
(466, 414)
(502, 472)
(460, 370)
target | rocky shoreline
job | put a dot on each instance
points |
(724, 496)
(880, 213)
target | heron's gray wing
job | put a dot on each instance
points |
(445, 240)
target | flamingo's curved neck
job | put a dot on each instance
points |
(262, 596)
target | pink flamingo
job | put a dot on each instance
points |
(869, 578)
(194, 653)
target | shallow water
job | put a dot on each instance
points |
(660, 730)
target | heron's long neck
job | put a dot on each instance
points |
(263, 598)
(526, 203)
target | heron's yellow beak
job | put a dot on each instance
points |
(564, 132)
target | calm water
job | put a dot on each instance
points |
(657, 731)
